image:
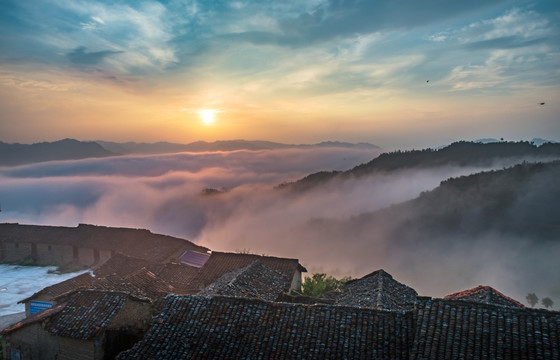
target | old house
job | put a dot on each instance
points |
(44, 298)
(198, 327)
(458, 329)
(87, 324)
(87, 245)
(485, 295)
(377, 290)
(252, 281)
(220, 263)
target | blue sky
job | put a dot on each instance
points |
(287, 71)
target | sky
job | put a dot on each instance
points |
(395, 73)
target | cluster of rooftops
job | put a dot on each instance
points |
(238, 306)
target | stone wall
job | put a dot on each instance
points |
(75, 349)
(51, 254)
(32, 342)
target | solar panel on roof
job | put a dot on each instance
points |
(194, 258)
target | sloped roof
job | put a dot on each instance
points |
(82, 281)
(454, 329)
(485, 295)
(221, 263)
(253, 281)
(37, 317)
(377, 290)
(123, 265)
(180, 276)
(87, 313)
(151, 285)
(196, 327)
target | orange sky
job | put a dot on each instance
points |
(129, 72)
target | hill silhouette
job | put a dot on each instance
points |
(458, 154)
(66, 149)
(221, 145)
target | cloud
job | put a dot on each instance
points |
(81, 57)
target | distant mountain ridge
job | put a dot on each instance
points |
(66, 149)
(221, 145)
(70, 149)
(460, 154)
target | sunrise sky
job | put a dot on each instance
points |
(396, 73)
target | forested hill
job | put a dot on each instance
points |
(459, 154)
(67, 149)
(522, 201)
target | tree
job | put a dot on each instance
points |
(532, 299)
(547, 302)
(319, 284)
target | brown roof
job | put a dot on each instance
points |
(37, 317)
(83, 315)
(83, 281)
(196, 327)
(455, 329)
(377, 290)
(486, 295)
(253, 281)
(122, 265)
(87, 313)
(180, 276)
(221, 263)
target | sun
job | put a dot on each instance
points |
(208, 116)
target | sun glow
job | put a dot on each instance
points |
(208, 116)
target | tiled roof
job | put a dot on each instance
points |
(253, 281)
(82, 281)
(454, 329)
(151, 285)
(486, 295)
(122, 265)
(377, 290)
(221, 263)
(180, 276)
(195, 327)
(37, 317)
(86, 314)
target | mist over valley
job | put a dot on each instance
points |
(440, 220)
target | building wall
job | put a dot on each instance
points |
(86, 256)
(134, 314)
(32, 342)
(54, 254)
(16, 251)
(296, 282)
(75, 349)
(51, 254)
(104, 255)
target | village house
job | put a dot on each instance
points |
(87, 324)
(374, 317)
(252, 281)
(87, 245)
(377, 290)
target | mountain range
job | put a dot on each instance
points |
(459, 154)
(70, 149)
(66, 149)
